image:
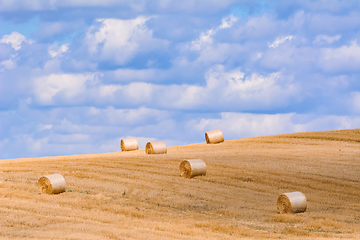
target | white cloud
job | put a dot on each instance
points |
(279, 41)
(107, 91)
(228, 21)
(295, 59)
(42, 127)
(55, 50)
(133, 94)
(326, 39)
(215, 63)
(344, 58)
(181, 96)
(8, 64)
(219, 53)
(258, 28)
(240, 125)
(15, 39)
(232, 88)
(33, 145)
(69, 85)
(51, 145)
(205, 39)
(120, 40)
(224, 89)
(257, 55)
(138, 92)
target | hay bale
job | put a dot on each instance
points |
(192, 167)
(129, 144)
(52, 184)
(156, 147)
(215, 136)
(294, 202)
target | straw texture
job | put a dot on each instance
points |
(215, 136)
(156, 148)
(130, 144)
(192, 167)
(294, 202)
(52, 184)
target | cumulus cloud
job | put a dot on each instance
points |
(8, 64)
(211, 51)
(63, 86)
(279, 41)
(55, 50)
(344, 58)
(240, 125)
(233, 90)
(228, 21)
(260, 27)
(76, 130)
(143, 69)
(42, 127)
(6, 51)
(120, 40)
(205, 38)
(15, 39)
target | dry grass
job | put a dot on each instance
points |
(131, 195)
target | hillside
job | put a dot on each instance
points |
(131, 195)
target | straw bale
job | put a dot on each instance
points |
(52, 184)
(129, 144)
(156, 147)
(192, 167)
(294, 202)
(215, 136)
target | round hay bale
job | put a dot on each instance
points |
(130, 144)
(156, 147)
(192, 167)
(294, 202)
(52, 184)
(215, 136)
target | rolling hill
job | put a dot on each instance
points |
(132, 195)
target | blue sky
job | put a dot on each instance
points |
(78, 76)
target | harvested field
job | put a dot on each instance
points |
(132, 195)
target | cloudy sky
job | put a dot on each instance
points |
(77, 76)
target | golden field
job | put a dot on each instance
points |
(131, 195)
